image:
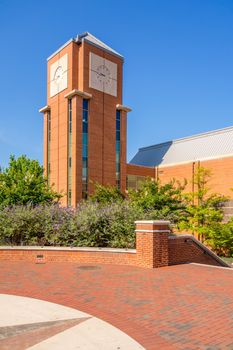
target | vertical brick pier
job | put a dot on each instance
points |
(152, 243)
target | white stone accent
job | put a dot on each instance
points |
(58, 75)
(106, 84)
(154, 222)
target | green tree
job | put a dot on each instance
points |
(220, 238)
(159, 201)
(106, 194)
(23, 182)
(204, 209)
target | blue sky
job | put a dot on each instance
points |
(178, 71)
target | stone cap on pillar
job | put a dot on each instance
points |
(153, 226)
(154, 222)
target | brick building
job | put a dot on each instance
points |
(85, 125)
(180, 158)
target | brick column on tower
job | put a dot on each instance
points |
(76, 150)
(152, 243)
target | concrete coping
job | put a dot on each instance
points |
(175, 236)
(153, 222)
(76, 249)
(123, 108)
(44, 109)
(79, 93)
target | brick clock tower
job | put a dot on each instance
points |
(84, 119)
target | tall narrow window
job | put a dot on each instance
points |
(85, 150)
(69, 165)
(48, 145)
(118, 149)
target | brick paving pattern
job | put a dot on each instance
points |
(178, 307)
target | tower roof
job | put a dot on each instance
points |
(91, 39)
(88, 37)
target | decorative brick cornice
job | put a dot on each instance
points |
(76, 92)
(44, 109)
(123, 108)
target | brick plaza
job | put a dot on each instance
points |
(177, 307)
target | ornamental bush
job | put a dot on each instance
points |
(111, 225)
(159, 201)
(220, 238)
(32, 225)
(106, 194)
(90, 225)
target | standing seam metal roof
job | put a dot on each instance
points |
(213, 144)
(88, 37)
(96, 42)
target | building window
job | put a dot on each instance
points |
(134, 182)
(85, 150)
(69, 175)
(118, 149)
(49, 145)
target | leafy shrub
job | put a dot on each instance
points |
(106, 194)
(90, 225)
(203, 208)
(111, 225)
(220, 238)
(32, 224)
(159, 201)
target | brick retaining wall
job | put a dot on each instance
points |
(57, 254)
(155, 247)
(185, 248)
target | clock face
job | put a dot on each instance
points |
(102, 74)
(58, 75)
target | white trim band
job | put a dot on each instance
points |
(154, 222)
(70, 249)
(154, 231)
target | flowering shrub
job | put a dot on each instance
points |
(90, 225)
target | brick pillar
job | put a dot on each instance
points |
(76, 150)
(46, 144)
(123, 151)
(152, 243)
